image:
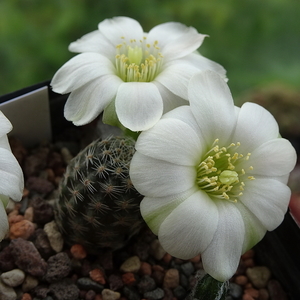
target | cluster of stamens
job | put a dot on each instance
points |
(138, 61)
(219, 175)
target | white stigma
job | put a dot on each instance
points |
(138, 61)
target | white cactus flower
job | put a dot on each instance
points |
(213, 176)
(11, 175)
(133, 76)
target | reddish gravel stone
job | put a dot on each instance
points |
(78, 251)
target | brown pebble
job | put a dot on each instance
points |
(247, 297)
(128, 279)
(25, 193)
(196, 259)
(158, 268)
(98, 297)
(22, 229)
(241, 280)
(263, 294)
(98, 276)
(171, 279)
(26, 296)
(78, 251)
(145, 268)
(14, 219)
(90, 295)
(249, 263)
(167, 258)
(252, 292)
(248, 254)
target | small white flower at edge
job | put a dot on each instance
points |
(133, 76)
(213, 176)
(11, 175)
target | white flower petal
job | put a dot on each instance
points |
(3, 222)
(156, 178)
(202, 63)
(175, 39)
(94, 42)
(86, 103)
(170, 100)
(275, 157)
(138, 105)
(267, 199)
(79, 70)
(222, 256)
(171, 140)
(255, 231)
(176, 76)
(190, 227)
(6, 126)
(12, 182)
(255, 126)
(184, 114)
(119, 28)
(155, 210)
(212, 105)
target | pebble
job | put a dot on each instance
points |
(145, 268)
(259, 276)
(7, 292)
(157, 250)
(115, 282)
(7, 261)
(187, 268)
(28, 215)
(132, 265)
(27, 257)
(29, 283)
(59, 267)
(254, 293)
(146, 284)
(131, 293)
(13, 278)
(26, 296)
(54, 236)
(241, 280)
(64, 290)
(22, 229)
(275, 290)
(98, 276)
(110, 295)
(180, 292)
(39, 185)
(90, 295)
(42, 211)
(86, 283)
(78, 251)
(128, 279)
(42, 243)
(263, 294)
(171, 279)
(156, 294)
(235, 290)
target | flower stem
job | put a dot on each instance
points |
(209, 288)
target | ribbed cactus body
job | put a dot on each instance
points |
(98, 206)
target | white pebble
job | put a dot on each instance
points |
(13, 278)
(7, 292)
(110, 295)
(132, 265)
(55, 238)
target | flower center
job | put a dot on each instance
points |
(138, 60)
(220, 173)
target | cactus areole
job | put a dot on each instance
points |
(98, 207)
